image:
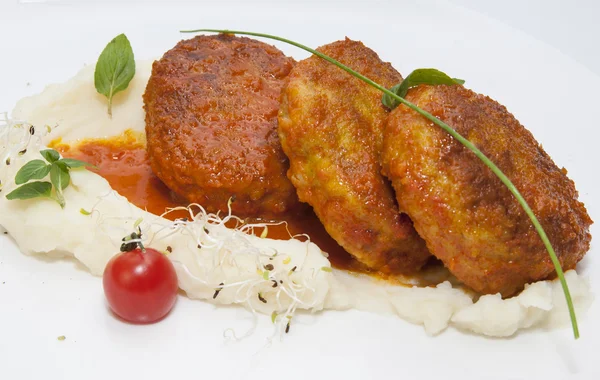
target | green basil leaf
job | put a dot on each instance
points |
(50, 155)
(31, 190)
(59, 176)
(417, 77)
(390, 102)
(35, 169)
(115, 68)
(74, 164)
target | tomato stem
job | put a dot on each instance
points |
(133, 241)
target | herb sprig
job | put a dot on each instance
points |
(469, 145)
(57, 167)
(417, 77)
(115, 68)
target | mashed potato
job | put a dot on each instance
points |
(214, 263)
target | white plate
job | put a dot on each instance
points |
(41, 300)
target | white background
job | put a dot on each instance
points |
(569, 26)
(543, 78)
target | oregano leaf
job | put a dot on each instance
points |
(35, 169)
(59, 176)
(50, 155)
(74, 164)
(31, 190)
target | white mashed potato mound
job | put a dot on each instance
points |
(208, 257)
(75, 110)
(218, 264)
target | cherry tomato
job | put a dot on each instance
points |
(140, 286)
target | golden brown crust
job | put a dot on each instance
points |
(330, 125)
(211, 121)
(467, 216)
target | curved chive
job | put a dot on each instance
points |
(469, 145)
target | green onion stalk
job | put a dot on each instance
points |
(505, 180)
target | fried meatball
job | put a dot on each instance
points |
(211, 123)
(331, 128)
(469, 219)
